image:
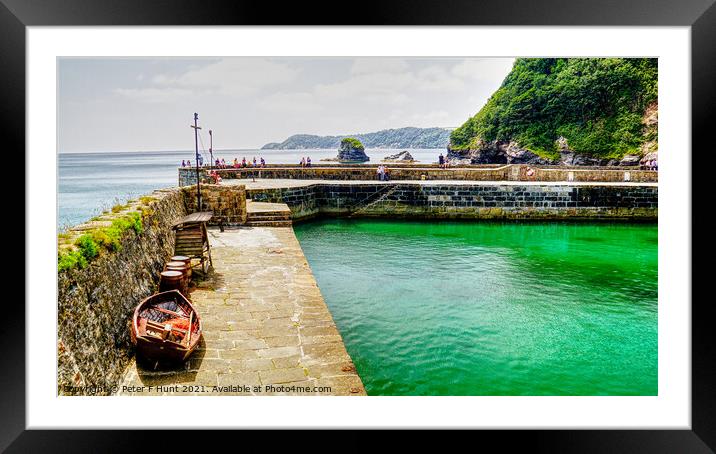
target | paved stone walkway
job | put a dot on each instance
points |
(266, 327)
(275, 183)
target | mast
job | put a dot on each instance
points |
(196, 147)
(211, 151)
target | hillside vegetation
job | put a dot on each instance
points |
(597, 104)
(388, 138)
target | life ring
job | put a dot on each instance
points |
(530, 172)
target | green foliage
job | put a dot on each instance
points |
(87, 246)
(597, 104)
(352, 142)
(71, 259)
(92, 243)
(110, 237)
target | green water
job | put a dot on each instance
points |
(429, 308)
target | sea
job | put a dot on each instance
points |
(92, 182)
(491, 308)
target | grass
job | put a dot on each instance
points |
(95, 242)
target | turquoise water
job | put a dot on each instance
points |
(430, 308)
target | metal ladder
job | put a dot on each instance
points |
(382, 194)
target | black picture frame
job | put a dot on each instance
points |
(700, 15)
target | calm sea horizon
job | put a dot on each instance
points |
(90, 182)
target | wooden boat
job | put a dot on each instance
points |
(166, 327)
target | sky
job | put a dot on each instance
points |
(147, 104)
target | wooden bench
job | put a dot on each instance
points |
(192, 240)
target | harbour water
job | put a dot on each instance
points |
(92, 182)
(428, 308)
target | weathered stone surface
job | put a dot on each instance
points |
(517, 155)
(93, 341)
(414, 172)
(249, 343)
(227, 202)
(450, 200)
(501, 152)
(630, 160)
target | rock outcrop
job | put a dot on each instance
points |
(500, 152)
(352, 150)
(403, 156)
(496, 152)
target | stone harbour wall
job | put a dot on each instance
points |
(468, 201)
(96, 302)
(510, 172)
(227, 202)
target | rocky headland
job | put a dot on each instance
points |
(388, 138)
(576, 112)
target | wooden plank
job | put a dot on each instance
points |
(194, 218)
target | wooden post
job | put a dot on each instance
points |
(196, 147)
(211, 151)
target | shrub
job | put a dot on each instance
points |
(354, 143)
(87, 246)
(71, 259)
(109, 238)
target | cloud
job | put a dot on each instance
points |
(435, 78)
(290, 103)
(153, 95)
(378, 65)
(485, 69)
(236, 77)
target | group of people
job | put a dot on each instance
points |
(651, 165)
(305, 162)
(443, 162)
(383, 173)
(221, 163)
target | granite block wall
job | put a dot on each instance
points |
(227, 202)
(468, 201)
(511, 172)
(95, 303)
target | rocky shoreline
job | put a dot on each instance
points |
(509, 152)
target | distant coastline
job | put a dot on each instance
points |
(409, 137)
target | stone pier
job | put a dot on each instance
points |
(266, 327)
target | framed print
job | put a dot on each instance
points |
(443, 218)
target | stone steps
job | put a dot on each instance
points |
(262, 214)
(270, 217)
(256, 223)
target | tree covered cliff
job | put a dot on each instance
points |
(389, 138)
(598, 105)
